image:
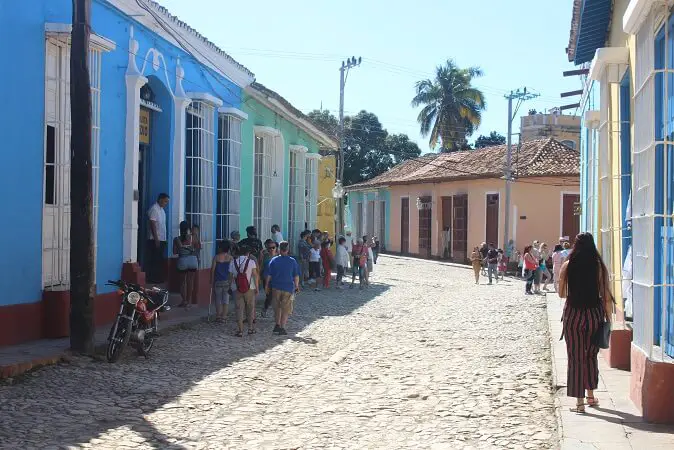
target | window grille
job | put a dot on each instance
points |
(199, 175)
(56, 207)
(228, 176)
(296, 206)
(262, 211)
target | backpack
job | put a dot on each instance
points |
(242, 282)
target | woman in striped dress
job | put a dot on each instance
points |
(583, 281)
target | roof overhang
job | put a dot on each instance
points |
(160, 21)
(301, 122)
(592, 27)
(611, 59)
(636, 13)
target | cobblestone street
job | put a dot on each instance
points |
(423, 359)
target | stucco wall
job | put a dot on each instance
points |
(260, 115)
(326, 207)
(540, 203)
(23, 134)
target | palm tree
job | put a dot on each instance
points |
(452, 107)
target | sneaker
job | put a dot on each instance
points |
(276, 329)
(282, 332)
(264, 313)
(317, 289)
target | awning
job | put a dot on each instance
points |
(595, 16)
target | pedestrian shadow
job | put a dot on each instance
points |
(73, 403)
(629, 420)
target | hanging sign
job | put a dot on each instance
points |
(144, 128)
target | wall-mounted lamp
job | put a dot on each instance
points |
(338, 190)
(423, 204)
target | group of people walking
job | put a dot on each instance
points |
(241, 268)
(534, 265)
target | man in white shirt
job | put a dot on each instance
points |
(244, 265)
(156, 243)
(276, 234)
(349, 244)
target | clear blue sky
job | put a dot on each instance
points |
(295, 48)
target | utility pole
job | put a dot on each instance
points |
(343, 74)
(82, 289)
(521, 96)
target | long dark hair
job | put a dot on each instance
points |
(184, 229)
(584, 272)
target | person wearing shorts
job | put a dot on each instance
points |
(220, 280)
(283, 279)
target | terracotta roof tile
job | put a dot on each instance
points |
(537, 158)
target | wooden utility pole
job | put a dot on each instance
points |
(82, 288)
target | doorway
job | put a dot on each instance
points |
(405, 225)
(491, 226)
(144, 189)
(446, 252)
(460, 230)
(570, 221)
(425, 227)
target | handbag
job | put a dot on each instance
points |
(602, 336)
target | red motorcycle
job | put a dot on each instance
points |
(138, 319)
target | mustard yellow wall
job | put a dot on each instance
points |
(326, 204)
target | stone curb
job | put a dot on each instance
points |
(555, 377)
(14, 370)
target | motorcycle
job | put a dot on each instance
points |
(138, 319)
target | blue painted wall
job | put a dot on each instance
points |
(23, 134)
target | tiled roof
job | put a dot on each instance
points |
(275, 95)
(537, 158)
(573, 33)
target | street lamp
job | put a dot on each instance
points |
(338, 190)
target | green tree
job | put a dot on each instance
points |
(452, 107)
(369, 150)
(487, 141)
(326, 121)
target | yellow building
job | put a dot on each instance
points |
(326, 203)
(564, 128)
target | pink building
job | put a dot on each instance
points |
(443, 205)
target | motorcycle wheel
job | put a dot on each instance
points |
(119, 341)
(145, 346)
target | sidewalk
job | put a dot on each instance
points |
(617, 423)
(18, 359)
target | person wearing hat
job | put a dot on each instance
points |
(235, 236)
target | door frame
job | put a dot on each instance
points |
(561, 211)
(409, 228)
(498, 217)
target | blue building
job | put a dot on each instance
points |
(165, 105)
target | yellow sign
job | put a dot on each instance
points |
(144, 129)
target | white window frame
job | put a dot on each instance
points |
(200, 186)
(296, 203)
(311, 189)
(56, 215)
(228, 186)
(643, 173)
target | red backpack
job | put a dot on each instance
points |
(242, 282)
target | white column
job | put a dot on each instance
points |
(178, 186)
(180, 103)
(134, 81)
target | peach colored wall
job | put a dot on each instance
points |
(540, 204)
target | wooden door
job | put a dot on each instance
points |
(460, 229)
(405, 226)
(570, 221)
(446, 236)
(491, 232)
(370, 219)
(425, 228)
